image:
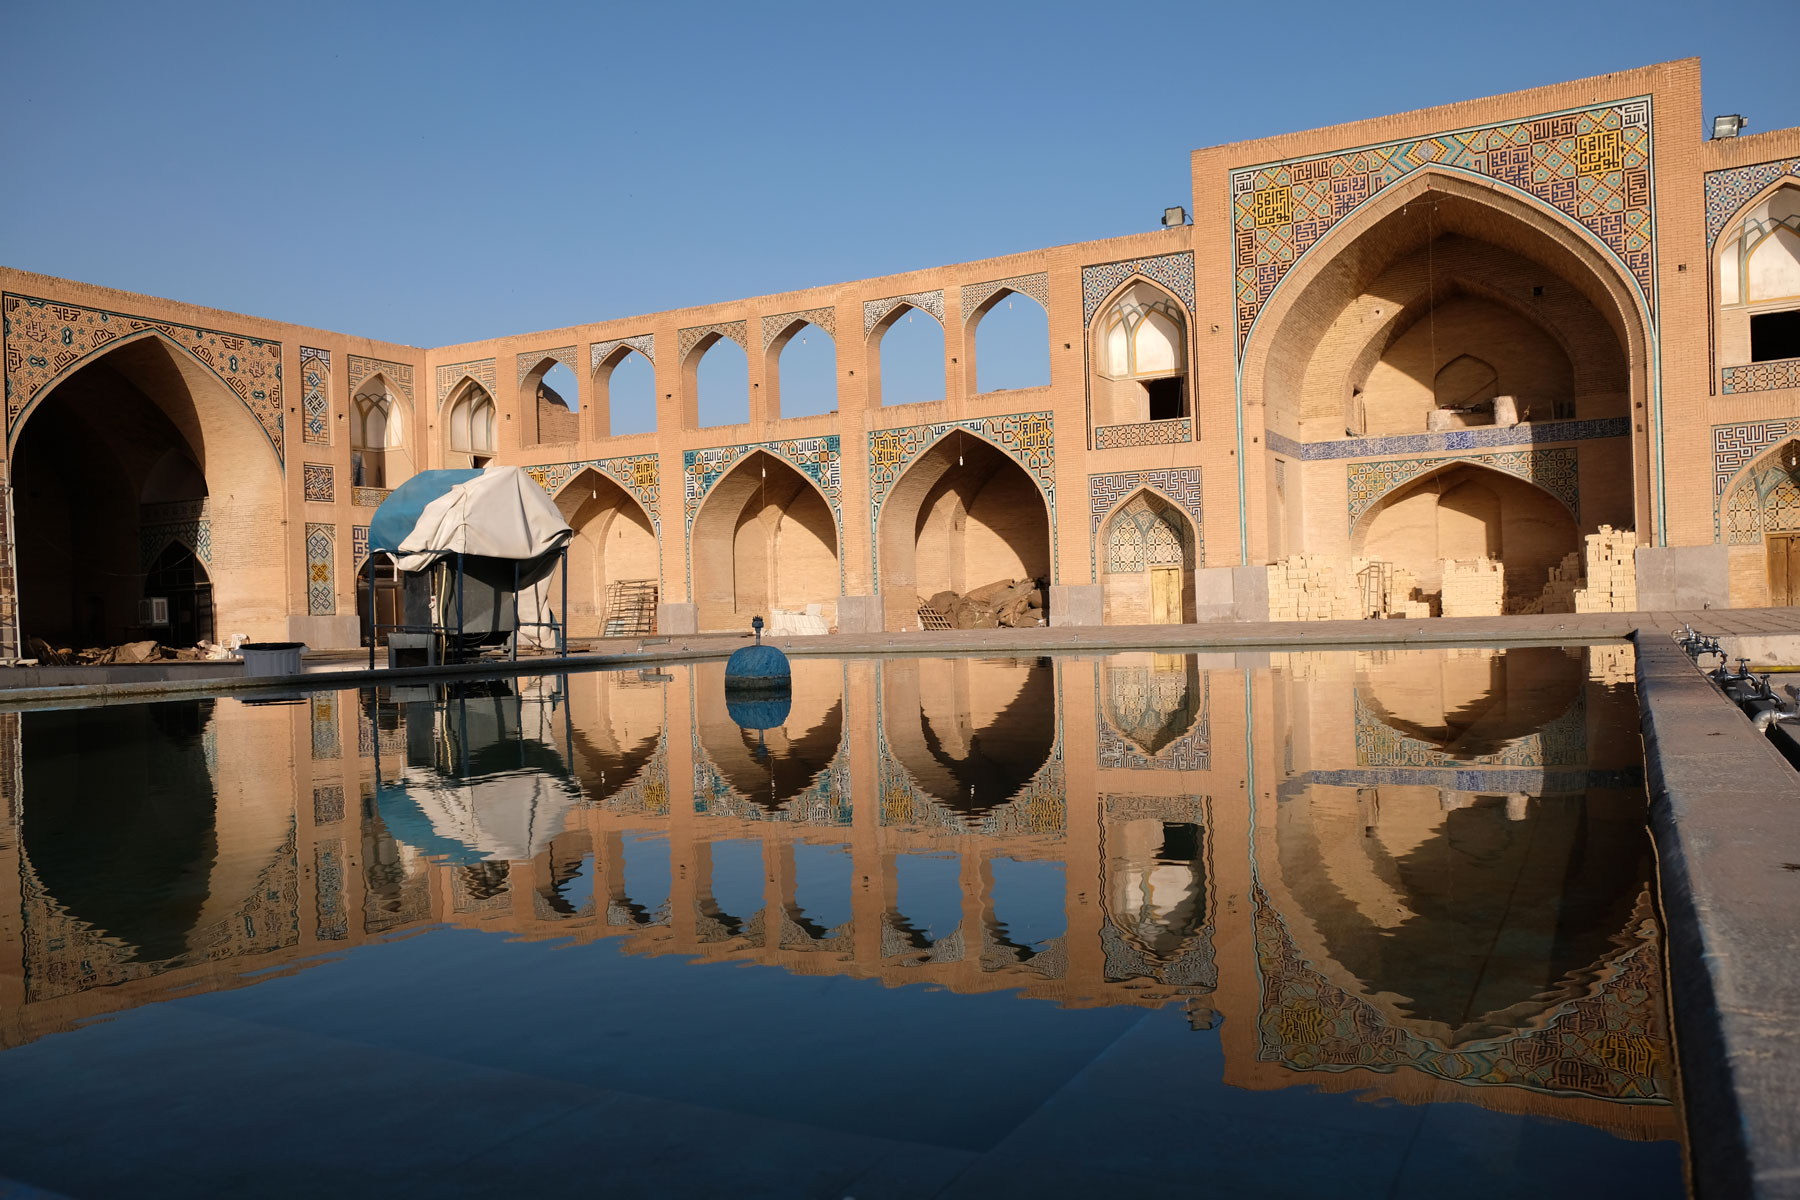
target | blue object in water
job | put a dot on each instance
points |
(767, 710)
(757, 668)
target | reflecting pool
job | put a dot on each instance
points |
(1375, 923)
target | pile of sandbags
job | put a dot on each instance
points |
(1012, 603)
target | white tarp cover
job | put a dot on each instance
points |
(501, 817)
(501, 513)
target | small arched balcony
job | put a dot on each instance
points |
(379, 457)
(470, 435)
(1139, 357)
(1759, 283)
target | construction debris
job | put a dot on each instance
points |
(1008, 603)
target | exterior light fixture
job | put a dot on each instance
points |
(1173, 217)
(1728, 126)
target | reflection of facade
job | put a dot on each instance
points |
(1441, 332)
(1457, 921)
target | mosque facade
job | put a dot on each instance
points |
(1532, 353)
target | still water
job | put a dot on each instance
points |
(1350, 924)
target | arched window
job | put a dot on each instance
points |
(470, 425)
(1142, 339)
(1759, 278)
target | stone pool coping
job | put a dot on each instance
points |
(1725, 815)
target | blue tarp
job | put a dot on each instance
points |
(395, 519)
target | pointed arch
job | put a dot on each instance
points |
(962, 514)
(1022, 344)
(911, 379)
(764, 537)
(615, 551)
(820, 381)
(715, 400)
(1286, 334)
(381, 434)
(471, 433)
(1140, 350)
(1148, 552)
(642, 400)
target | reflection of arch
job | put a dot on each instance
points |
(618, 725)
(1147, 559)
(1285, 330)
(1475, 705)
(765, 536)
(971, 735)
(1155, 702)
(1157, 898)
(963, 513)
(156, 427)
(1463, 509)
(615, 540)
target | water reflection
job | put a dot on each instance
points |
(1416, 875)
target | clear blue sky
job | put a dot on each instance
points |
(436, 173)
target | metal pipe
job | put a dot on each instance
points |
(515, 600)
(459, 606)
(562, 615)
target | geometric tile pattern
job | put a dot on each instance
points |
(184, 521)
(1604, 1043)
(1554, 470)
(45, 340)
(529, 360)
(359, 546)
(643, 343)
(1481, 437)
(824, 318)
(1729, 190)
(1761, 377)
(362, 367)
(1029, 438)
(1144, 433)
(1174, 271)
(974, 295)
(1593, 165)
(874, 310)
(1739, 443)
(325, 742)
(1561, 743)
(315, 396)
(638, 474)
(1147, 532)
(328, 879)
(328, 803)
(481, 370)
(687, 339)
(321, 585)
(1765, 500)
(1140, 697)
(368, 497)
(1106, 492)
(317, 482)
(826, 800)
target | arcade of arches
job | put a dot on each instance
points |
(1367, 381)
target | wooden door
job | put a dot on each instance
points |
(1165, 595)
(1784, 568)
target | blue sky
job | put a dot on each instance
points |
(435, 173)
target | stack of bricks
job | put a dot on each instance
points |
(1399, 600)
(1559, 593)
(1611, 572)
(1307, 587)
(1473, 587)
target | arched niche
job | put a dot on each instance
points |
(1147, 558)
(1757, 268)
(962, 515)
(1138, 357)
(1423, 243)
(716, 377)
(765, 538)
(380, 435)
(471, 427)
(613, 548)
(624, 393)
(1463, 511)
(161, 440)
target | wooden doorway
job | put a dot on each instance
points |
(1784, 568)
(1165, 595)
